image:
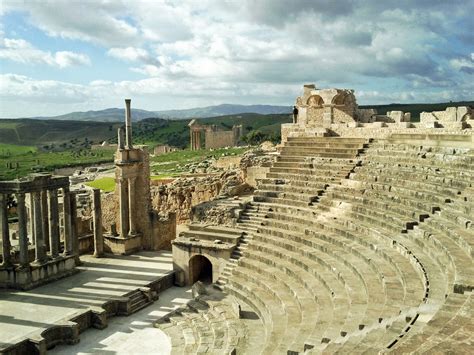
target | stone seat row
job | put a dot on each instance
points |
(283, 251)
(347, 251)
(203, 327)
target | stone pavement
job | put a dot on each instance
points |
(25, 314)
(134, 334)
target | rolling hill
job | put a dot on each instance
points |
(118, 114)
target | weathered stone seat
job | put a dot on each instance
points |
(203, 327)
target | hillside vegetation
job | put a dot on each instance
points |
(17, 161)
(176, 133)
(62, 134)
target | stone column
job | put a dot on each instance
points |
(74, 233)
(45, 219)
(128, 124)
(123, 208)
(67, 221)
(53, 223)
(22, 230)
(120, 144)
(5, 232)
(97, 219)
(191, 135)
(31, 218)
(40, 252)
(131, 205)
(196, 137)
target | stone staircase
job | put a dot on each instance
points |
(353, 246)
(139, 299)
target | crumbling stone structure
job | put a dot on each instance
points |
(51, 259)
(214, 137)
(163, 149)
(139, 225)
(334, 112)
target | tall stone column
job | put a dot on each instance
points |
(74, 233)
(128, 124)
(53, 223)
(31, 218)
(97, 220)
(191, 135)
(131, 204)
(40, 252)
(124, 219)
(67, 221)
(45, 219)
(22, 230)
(5, 232)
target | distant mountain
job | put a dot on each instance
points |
(118, 114)
(107, 115)
(222, 110)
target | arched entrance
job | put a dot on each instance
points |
(200, 269)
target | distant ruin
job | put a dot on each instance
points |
(213, 136)
(334, 112)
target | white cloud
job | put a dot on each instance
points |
(19, 50)
(259, 51)
(465, 65)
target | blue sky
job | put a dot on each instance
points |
(77, 55)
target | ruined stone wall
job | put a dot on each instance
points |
(451, 114)
(110, 207)
(164, 230)
(184, 193)
(314, 115)
(343, 114)
(219, 139)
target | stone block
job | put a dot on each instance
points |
(462, 113)
(450, 115)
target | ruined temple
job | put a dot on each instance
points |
(214, 137)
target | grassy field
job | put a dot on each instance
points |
(17, 161)
(106, 184)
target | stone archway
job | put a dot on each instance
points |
(200, 269)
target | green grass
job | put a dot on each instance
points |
(106, 184)
(18, 161)
(11, 150)
(173, 163)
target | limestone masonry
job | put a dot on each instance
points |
(354, 236)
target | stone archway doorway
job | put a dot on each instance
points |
(200, 269)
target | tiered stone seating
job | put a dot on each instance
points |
(204, 327)
(355, 247)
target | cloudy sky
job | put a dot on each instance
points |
(75, 55)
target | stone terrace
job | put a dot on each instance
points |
(32, 321)
(352, 246)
